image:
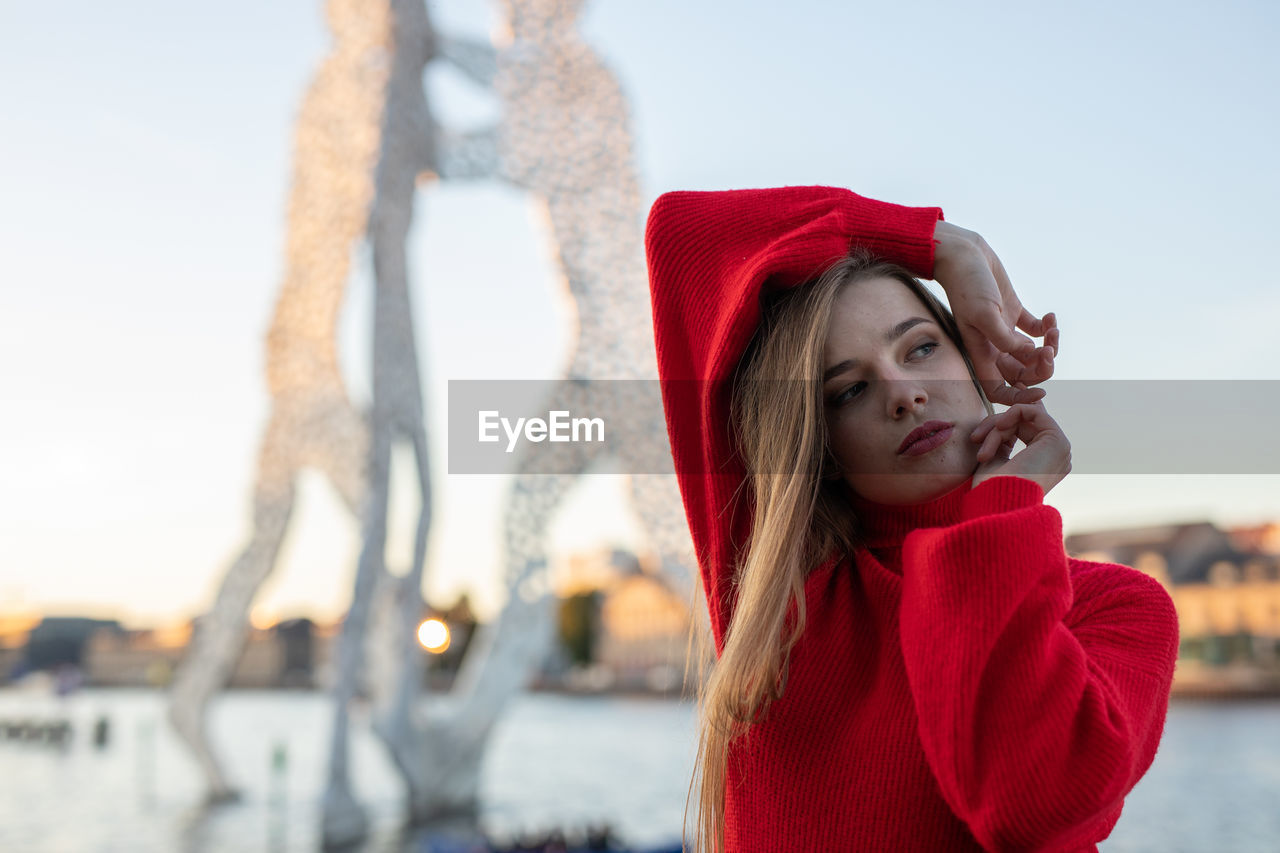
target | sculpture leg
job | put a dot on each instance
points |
(344, 821)
(451, 733)
(410, 603)
(501, 658)
(218, 639)
(395, 722)
(340, 449)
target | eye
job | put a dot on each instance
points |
(928, 346)
(848, 394)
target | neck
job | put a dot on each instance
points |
(886, 525)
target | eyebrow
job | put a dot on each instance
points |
(889, 337)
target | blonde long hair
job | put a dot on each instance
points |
(801, 515)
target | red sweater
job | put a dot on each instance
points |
(961, 684)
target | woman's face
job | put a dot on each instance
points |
(888, 369)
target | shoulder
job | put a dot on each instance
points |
(1100, 588)
(1096, 573)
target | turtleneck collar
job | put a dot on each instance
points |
(884, 526)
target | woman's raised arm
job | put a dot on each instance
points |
(711, 254)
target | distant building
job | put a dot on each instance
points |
(296, 640)
(144, 658)
(640, 625)
(15, 629)
(324, 653)
(10, 663)
(1260, 539)
(279, 656)
(1225, 585)
(262, 661)
(1176, 554)
(60, 641)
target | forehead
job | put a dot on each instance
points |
(865, 311)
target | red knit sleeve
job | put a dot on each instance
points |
(1040, 706)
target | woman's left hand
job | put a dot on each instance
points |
(989, 313)
(1046, 459)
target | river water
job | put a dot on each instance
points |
(554, 761)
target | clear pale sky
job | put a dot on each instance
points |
(1118, 157)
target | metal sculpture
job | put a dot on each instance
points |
(365, 140)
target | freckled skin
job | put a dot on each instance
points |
(896, 387)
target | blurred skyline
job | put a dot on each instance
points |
(1118, 158)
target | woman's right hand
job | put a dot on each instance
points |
(989, 314)
(1046, 459)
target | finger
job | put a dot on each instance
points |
(991, 445)
(1052, 335)
(1028, 431)
(996, 420)
(1044, 421)
(1002, 394)
(1016, 343)
(999, 442)
(1028, 323)
(1041, 368)
(1024, 422)
(999, 421)
(1009, 390)
(1027, 395)
(1008, 395)
(1019, 423)
(984, 426)
(1029, 372)
(983, 356)
(1044, 367)
(989, 321)
(1034, 420)
(1035, 369)
(1029, 412)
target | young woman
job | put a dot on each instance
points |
(907, 658)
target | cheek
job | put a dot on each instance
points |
(850, 441)
(958, 385)
(958, 371)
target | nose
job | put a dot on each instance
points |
(904, 396)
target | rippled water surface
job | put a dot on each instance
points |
(555, 760)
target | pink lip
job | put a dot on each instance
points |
(925, 437)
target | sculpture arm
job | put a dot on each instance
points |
(475, 59)
(471, 155)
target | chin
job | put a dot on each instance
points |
(901, 489)
(953, 467)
